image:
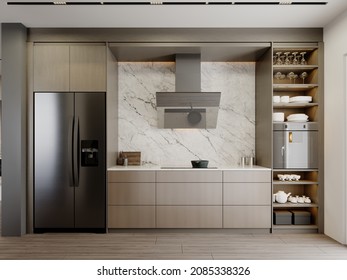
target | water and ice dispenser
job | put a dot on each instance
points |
(89, 153)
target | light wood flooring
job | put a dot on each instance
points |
(171, 245)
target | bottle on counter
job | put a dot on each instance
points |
(120, 159)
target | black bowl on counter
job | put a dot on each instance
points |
(199, 163)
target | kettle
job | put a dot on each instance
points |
(282, 197)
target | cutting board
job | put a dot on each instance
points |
(134, 158)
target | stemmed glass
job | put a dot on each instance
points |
(303, 75)
(295, 76)
(286, 60)
(291, 76)
(279, 60)
(303, 60)
(295, 59)
(279, 76)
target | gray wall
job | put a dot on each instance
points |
(14, 68)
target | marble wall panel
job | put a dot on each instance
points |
(235, 133)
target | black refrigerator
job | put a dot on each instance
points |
(69, 161)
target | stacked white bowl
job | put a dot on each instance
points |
(297, 118)
(278, 117)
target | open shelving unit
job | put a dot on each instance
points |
(311, 182)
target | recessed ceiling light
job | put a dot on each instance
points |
(175, 3)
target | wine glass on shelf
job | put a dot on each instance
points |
(303, 60)
(295, 76)
(278, 76)
(290, 76)
(286, 60)
(303, 75)
(295, 58)
(279, 60)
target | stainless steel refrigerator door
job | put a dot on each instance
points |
(301, 149)
(53, 192)
(90, 193)
(295, 149)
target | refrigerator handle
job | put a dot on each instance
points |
(70, 152)
(76, 141)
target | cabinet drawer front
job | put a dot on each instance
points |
(131, 176)
(254, 176)
(247, 194)
(247, 216)
(131, 193)
(203, 176)
(189, 216)
(131, 216)
(189, 193)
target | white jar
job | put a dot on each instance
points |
(285, 99)
(276, 99)
(278, 117)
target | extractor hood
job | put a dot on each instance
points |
(188, 107)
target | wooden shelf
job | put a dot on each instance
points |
(294, 67)
(293, 105)
(293, 87)
(294, 205)
(295, 227)
(294, 169)
(291, 48)
(300, 182)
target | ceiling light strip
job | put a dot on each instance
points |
(155, 3)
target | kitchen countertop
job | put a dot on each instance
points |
(182, 168)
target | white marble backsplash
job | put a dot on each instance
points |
(235, 133)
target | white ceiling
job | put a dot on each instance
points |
(172, 15)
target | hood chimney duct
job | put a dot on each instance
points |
(188, 73)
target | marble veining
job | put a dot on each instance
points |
(235, 133)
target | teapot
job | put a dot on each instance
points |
(282, 197)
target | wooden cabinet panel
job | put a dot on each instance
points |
(189, 216)
(247, 216)
(88, 68)
(255, 176)
(131, 176)
(66, 67)
(182, 176)
(247, 194)
(131, 193)
(189, 193)
(51, 67)
(131, 216)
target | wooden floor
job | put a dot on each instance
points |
(171, 245)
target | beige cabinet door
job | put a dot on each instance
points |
(189, 216)
(243, 176)
(131, 193)
(247, 216)
(247, 194)
(189, 193)
(51, 67)
(131, 216)
(131, 176)
(88, 68)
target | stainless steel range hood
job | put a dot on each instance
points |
(188, 107)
